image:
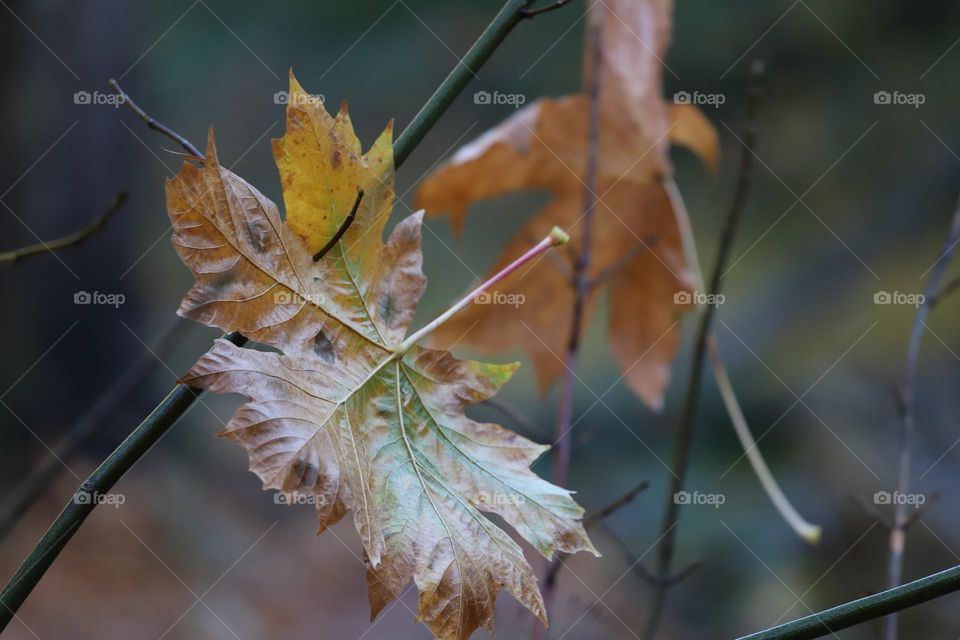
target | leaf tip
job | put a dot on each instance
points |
(211, 151)
(295, 87)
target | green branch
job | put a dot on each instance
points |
(880, 604)
(496, 32)
(166, 414)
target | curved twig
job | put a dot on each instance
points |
(807, 531)
(153, 124)
(529, 14)
(342, 230)
(70, 240)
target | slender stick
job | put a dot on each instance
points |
(533, 13)
(182, 396)
(684, 438)
(153, 124)
(871, 607)
(93, 421)
(807, 531)
(581, 284)
(907, 406)
(342, 230)
(615, 505)
(71, 240)
(596, 517)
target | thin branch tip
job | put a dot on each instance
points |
(343, 228)
(70, 240)
(559, 236)
(528, 14)
(152, 123)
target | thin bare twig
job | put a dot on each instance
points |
(635, 564)
(533, 13)
(153, 124)
(809, 532)
(907, 407)
(597, 517)
(581, 274)
(684, 438)
(616, 505)
(342, 230)
(71, 240)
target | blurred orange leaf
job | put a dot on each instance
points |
(637, 237)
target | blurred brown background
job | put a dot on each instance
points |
(878, 183)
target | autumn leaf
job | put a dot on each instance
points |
(637, 248)
(347, 412)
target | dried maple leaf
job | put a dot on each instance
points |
(636, 223)
(350, 414)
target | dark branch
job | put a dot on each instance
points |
(529, 14)
(71, 240)
(153, 124)
(607, 511)
(343, 228)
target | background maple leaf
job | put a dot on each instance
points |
(637, 243)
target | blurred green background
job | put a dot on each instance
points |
(812, 357)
